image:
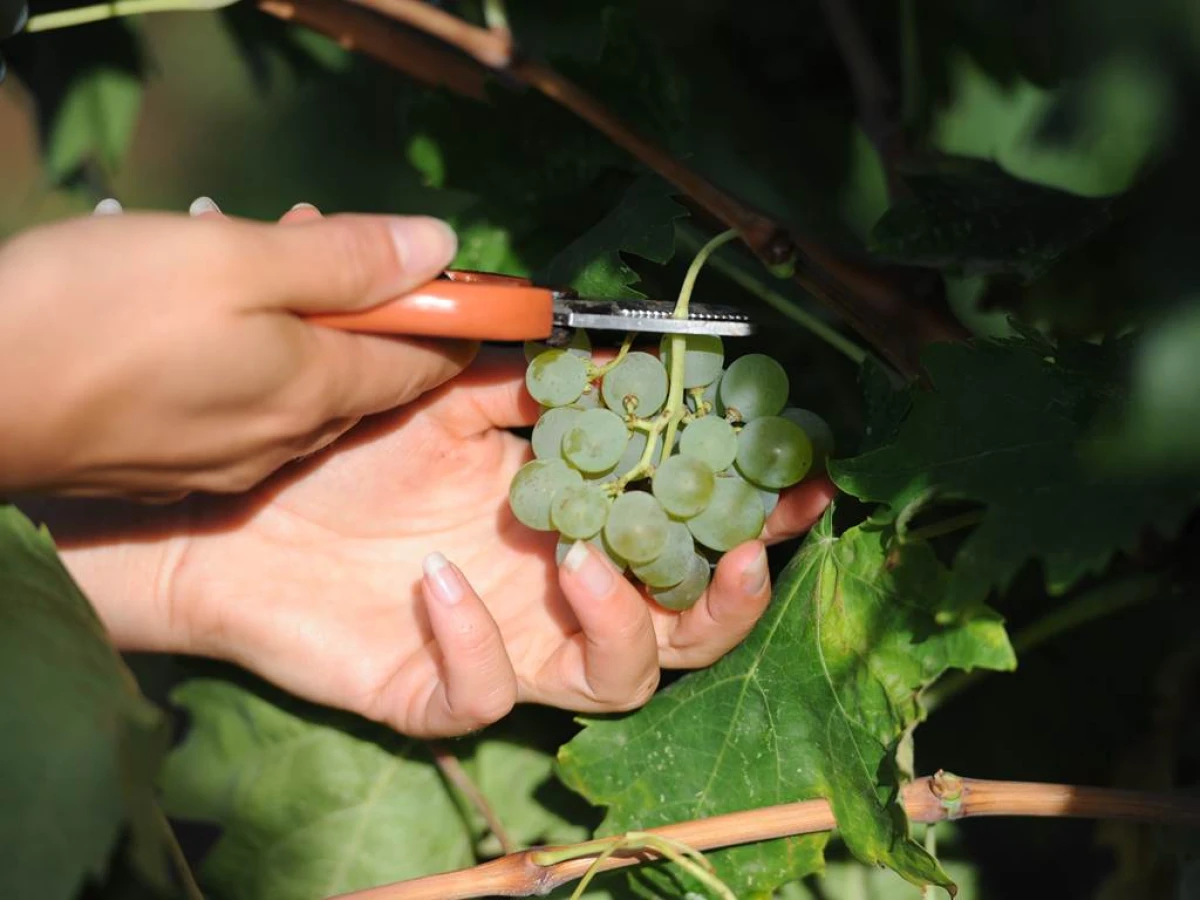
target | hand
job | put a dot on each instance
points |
(153, 355)
(315, 581)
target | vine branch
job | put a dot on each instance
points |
(895, 309)
(878, 106)
(936, 798)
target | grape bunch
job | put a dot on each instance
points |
(661, 464)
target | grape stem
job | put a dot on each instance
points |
(679, 342)
(673, 413)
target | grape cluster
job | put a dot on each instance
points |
(601, 473)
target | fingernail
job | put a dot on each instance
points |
(754, 579)
(302, 205)
(203, 205)
(587, 567)
(423, 244)
(108, 207)
(442, 578)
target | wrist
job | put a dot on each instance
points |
(124, 572)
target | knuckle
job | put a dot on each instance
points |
(484, 708)
(642, 692)
(364, 251)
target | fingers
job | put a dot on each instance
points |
(490, 395)
(612, 663)
(721, 619)
(347, 262)
(799, 509)
(478, 685)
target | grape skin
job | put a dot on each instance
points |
(533, 488)
(637, 527)
(640, 376)
(683, 485)
(754, 385)
(595, 441)
(671, 565)
(702, 360)
(565, 544)
(820, 435)
(685, 594)
(711, 439)
(773, 452)
(556, 378)
(548, 432)
(733, 516)
(579, 512)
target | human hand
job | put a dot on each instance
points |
(314, 581)
(151, 355)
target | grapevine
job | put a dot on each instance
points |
(662, 461)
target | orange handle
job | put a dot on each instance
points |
(469, 305)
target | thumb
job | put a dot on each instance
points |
(348, 262)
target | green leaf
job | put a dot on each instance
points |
(642, 223)
(972, 218)
(95, 122)
(514, 769)
(1161, 431)
(308, 809)
(1008, 424)
(812, 704)
(80, 746)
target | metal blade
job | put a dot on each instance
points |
(654, 316)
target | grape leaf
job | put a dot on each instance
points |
(642, 223)
(80, 745)
(812, 704)
(971, 217)
(513, 767)
(1008, 424)
(86, 84)
(308, 809)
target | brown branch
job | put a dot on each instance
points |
(492, 48)
(878, 107)
(938, 798)
(454, 772)
(897, 310)
(364, 32)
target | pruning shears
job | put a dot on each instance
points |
(489, 307)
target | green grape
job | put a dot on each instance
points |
(579, 512)
(770, 500)
(685, 594)
(534, 486)
(642, 379)
(733, 516)
(556, 378)
(773, 452)
(595, 441)
(548, 432)
(820, 435)
(712, 396)
(564, 547)
(754, 385)
(672, 564)
(590, 398)
(702, 360)
(580, 345)
(711, 439)
(637, 527)
(683, 485)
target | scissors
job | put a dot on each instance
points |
(488, 307)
